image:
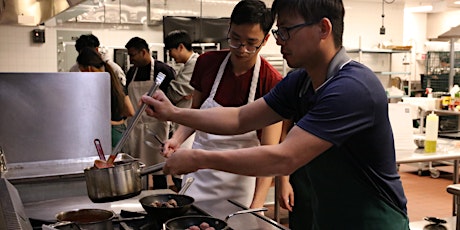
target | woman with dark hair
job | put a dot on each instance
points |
(90, 61)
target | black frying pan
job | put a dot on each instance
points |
(163, 214)
(186, 222)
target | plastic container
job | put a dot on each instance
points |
(445, 101)
(431, 133)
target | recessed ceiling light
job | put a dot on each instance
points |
(419, 9)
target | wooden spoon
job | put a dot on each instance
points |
(100, 164)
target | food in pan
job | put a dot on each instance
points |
(203, 226)
(168, 204)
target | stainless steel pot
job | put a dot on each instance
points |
(87, 219)
(116, 183)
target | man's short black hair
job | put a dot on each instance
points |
(137, 43)
(86, 40)
(177, 37)
(252, 12)
(314, 11)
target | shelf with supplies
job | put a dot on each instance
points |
(277, 61)
(438, 70)
(383, 63)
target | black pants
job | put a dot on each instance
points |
(159, 182)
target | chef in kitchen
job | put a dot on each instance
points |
(342, 138)
(231, 78)
(139, 80)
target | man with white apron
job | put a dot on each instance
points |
(212, 184)
(232, 78)
(140, 79)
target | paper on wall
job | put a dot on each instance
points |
(401, 124)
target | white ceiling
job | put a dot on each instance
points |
(135, 11)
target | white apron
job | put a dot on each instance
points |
(136, 144)
(217, 185)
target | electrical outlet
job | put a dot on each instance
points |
(382, 30)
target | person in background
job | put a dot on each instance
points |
(179, 46)
(91, 41)
(139, 79)
(178, 43)
(229, 78)
(89, 60)
(342, 142)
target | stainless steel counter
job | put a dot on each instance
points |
(447, 149)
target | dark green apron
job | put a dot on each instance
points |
(324, 183)
(117, 133)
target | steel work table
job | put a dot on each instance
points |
(446, 151)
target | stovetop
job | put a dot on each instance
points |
(128, 220)
(43, 212)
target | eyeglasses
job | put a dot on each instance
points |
(236, 44)
(283, 32)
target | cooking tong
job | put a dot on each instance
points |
(159, 79)
(109, 163)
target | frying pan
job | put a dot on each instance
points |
(162, 214)
(184, 222)
(88, 219)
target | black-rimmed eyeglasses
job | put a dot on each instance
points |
(236, 44)
(283, 32)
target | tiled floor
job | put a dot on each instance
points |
(426, 196)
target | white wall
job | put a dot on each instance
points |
(19, 54)
(363, 21)
(415, 35)
(438, 23)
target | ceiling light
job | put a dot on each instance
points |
(419, 9)
(457, 2)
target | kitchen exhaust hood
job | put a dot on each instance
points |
(32, 12)
(454, 32)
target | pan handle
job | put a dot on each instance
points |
(152, 169)
(187, 184)
(62, 224)
(245, 211)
